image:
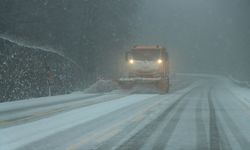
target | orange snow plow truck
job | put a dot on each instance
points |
(147, 65)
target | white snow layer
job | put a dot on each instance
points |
(17, 136)
(242, 93)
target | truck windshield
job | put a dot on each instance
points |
(146, 54)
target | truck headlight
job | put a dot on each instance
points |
(159, 61)
(131, 61)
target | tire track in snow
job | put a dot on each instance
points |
(201, 135)
(139, 139)
(170, 127)
(225, 143)
(61, 122)
(224, 140)
(86, 135)
(137, 118)
(125, 124)
(214, 135)
(235, 130)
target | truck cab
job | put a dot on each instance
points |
(147, 62)
(147, 65)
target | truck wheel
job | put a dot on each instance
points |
(164, 86)
(167, 86)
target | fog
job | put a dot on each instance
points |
(68, 45)
(206, 36)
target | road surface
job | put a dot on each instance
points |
(200, 112)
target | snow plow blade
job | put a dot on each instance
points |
(128, 83)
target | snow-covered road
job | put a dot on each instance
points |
(200, 112)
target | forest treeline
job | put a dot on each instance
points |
(92, 33)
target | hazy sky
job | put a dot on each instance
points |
(201, 35)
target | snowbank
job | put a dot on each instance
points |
(240, 83)
(240, 89)
(102, 86)
(33, 102)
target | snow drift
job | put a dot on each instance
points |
(102, 86)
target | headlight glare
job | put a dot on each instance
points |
(159, 61)
(131, 61)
